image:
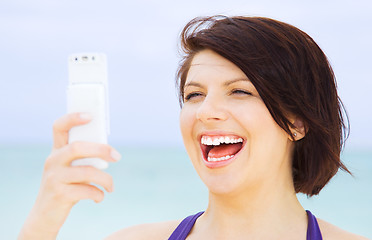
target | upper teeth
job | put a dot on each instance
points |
(219, 140)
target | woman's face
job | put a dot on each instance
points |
(229, 134)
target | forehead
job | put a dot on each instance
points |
(207, 64)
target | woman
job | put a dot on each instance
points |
(261, 120)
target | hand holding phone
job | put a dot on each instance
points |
(88, 93)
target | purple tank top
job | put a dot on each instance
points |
(184, 228)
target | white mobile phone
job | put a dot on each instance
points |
(87, 92)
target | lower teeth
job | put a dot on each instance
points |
(219, 159)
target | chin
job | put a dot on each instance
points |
(222, 181)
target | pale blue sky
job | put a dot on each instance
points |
(140, 39)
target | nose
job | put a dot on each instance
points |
(211, 110)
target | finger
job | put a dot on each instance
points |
(62, 126)
(77, 150)
(88, 175)
(78, 191)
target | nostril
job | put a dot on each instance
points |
(210, 111)
(211, 115)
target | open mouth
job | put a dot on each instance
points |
(220, 148)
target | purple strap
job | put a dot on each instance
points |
(184, 228)
(313, 231)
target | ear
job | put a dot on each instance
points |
(299, 130)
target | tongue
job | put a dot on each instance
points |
(224, 150)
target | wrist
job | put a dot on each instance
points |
(31, 233)
(35, 228)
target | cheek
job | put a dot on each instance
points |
(264, 134)
(252, 115)
(187, 119)
(187, 126)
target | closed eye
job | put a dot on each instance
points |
(240, 92)
(192, 95)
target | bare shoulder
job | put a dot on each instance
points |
(161, 231)
(332, 232)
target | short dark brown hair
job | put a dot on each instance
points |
(293, 77)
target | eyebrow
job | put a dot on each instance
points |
(236, 80)
(196, 84)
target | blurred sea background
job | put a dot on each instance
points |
(155, 180)
(160, 184)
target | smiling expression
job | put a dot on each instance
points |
(229, 134)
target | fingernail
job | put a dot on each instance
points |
(85, 116)
(115, 155)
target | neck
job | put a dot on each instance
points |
(263, 212)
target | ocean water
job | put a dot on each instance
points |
(159, 184)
